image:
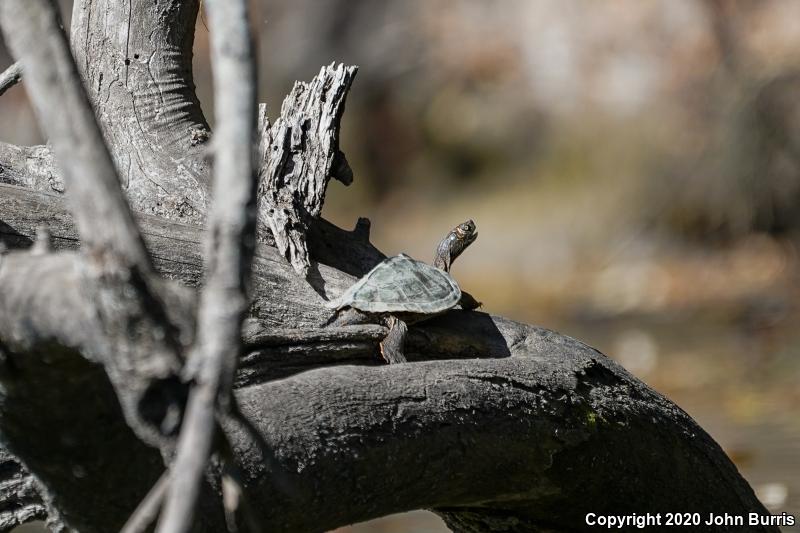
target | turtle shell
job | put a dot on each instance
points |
(401, 284)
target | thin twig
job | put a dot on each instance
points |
(234, 496)
(147, 511)
(236, 499)
(10, 77)
(230, 245)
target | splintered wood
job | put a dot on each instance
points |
(298, 155)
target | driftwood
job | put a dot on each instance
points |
(494, 425)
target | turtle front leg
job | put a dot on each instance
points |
(393, 346)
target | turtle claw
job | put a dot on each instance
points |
(392, 346)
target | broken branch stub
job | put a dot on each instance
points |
(299, 155)
(10, 77)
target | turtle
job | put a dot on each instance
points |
(401, 290)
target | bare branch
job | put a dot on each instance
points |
(531, 441)
(230, 245)
(10, 77)
(49, 336)
(147, 511)
(136, 64)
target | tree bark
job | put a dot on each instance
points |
(30, 166)
(136, 62)
(20, 499)
(280, 299)
(140, 347)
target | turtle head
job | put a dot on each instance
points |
(466, 232)
(454, 243)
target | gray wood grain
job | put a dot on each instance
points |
(21, 496)
(279, 297)
(299, 155)
(136, 62)
(30, 166)
(33, 31)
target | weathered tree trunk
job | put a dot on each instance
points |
(495, 425)
(135, 60)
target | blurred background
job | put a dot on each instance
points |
(633, 169)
